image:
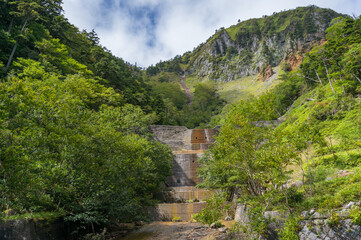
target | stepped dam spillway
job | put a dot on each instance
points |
(187, 145)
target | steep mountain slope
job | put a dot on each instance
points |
(256, 45)
(253, 46)
(247, 59)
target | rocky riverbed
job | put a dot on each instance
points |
(179, 231)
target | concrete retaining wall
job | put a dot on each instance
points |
(170, 211)
(184, 172)
(190, 193)
(176, 137)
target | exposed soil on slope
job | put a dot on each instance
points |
(186, 90)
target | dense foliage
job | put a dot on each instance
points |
(38, 30)
(74, 122)
(317, 145)
(206, 103)
(57, 154)
(179, 109)
(338, 60)
(248, 152)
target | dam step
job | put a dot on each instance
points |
(183, 199)
(176, 211)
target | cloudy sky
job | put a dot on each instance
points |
(147, 31)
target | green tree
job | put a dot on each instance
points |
(206, 103)
(68, 144)
(26, 10)
(248, 153)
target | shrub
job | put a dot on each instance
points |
(176, 219)
(320, 173)
(258, 222)
(286, 66)
(213, 211)
(355, 215)
(333, 220)
(218, 224)
(291, 228)
(294, 196)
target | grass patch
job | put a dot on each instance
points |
(191, 81)
(245, 87)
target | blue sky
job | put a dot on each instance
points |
(147, 31)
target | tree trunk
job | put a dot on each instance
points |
(10, 25)
(329, 80)
(15, 46)
(343, 88)
(11, 56)
(318, 77)
(356, 77)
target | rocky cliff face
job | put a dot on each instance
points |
(333, 225)
(250, 47)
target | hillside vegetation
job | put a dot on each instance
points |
(317, 145)
(245, 59)
(74, 137)
(249, 47)
(74, 119)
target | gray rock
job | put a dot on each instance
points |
(241, 214)
(349, 205)
(313, 236)
(331, 234)
(297, 184)
(316, 215)
(319, 229)
(319, 222)
(213, 225)
(305, 214)
(272, 214)
(356, 228)
(223, 229)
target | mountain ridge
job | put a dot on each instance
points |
(251, 46)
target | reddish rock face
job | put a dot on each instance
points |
(266, 73)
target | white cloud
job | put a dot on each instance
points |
(83, 14)
(180, 25)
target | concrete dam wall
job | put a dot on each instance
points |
(188, 146)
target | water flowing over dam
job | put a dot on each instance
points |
(188, 145)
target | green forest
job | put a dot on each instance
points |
(75, 142)
(74, 138)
